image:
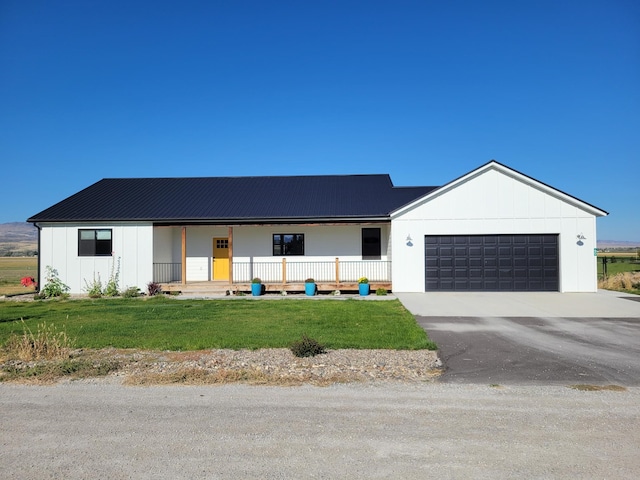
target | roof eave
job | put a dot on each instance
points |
(221, 221)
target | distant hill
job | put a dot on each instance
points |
(617, 244)
(18, 232)
(18, 239)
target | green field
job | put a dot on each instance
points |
(618, 263)
(162, 323)
(12, 269)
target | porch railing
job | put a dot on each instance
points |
(167, 272)
(296, 272)
(338, 271)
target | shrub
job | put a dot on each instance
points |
(309, 280)
(363, 280)
(381, 291)
(153, 288)
(256, 280)
(131, 292)
(54, 287)
(307, 347)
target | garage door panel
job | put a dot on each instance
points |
(520, 285)
(431, 261)
(446, 262)
(520, 251)
(461, 262)
(491, 285)
(492, 262)
(475, 273)
(505, 262)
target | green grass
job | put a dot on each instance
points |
(622, 264)
(161, 323)
(12, 269)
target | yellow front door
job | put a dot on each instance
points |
(220, 259)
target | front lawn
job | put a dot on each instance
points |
(161, 323)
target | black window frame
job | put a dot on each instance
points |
(94, 246)
(371, 243)
(280, 248)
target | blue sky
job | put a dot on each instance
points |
(425, 91)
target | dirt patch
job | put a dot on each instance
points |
(258, 367)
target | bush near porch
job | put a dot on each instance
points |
(161, 323)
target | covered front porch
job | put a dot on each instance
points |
(219, 259)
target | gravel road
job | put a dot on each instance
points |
(102, 429)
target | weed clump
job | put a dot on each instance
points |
(47, 343)
(307, 347)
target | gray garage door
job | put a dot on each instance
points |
(491, 262)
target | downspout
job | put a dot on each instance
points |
(35, 224)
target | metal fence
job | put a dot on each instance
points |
(167, 272)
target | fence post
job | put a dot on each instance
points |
(337, 271)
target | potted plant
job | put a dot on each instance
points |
(310, 287)
(256, 287)
(363, 286)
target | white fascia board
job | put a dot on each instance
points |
(493, 165)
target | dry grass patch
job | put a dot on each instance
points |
(48, 371)
(621, 281)
(46, 344)
(598, 388)
(198, 376)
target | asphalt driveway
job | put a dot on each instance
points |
(533, 338)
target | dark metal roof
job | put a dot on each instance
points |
(234, 199)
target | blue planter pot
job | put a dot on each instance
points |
(310, 289)
(363, 288)
(256, 289)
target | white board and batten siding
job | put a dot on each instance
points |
(132, 246)
(493, 201)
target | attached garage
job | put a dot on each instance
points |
(495, 229)
(491, 263)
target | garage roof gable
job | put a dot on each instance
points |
(493, 165)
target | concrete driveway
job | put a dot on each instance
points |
(533, 338)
